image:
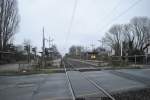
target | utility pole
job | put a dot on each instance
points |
(101, 42)
(50, 41)
(43, 50)
(121, 49)
(92, 45)
(27, 48)
(50, 45)
(29, 54)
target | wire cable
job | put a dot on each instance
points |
(113, 9)
(71, 21)
(121, 14)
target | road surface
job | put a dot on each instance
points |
(56, 86)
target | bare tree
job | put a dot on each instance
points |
(128, 41)
(9, 20)
(134, 37)
(113, 38)
(141, 29)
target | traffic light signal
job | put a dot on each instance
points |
(46, 51)
(34, 49)
(27, 47)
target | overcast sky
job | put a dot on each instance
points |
(92, 19)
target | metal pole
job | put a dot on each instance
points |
(101, 43)
(92, 45)
(135, 59)
(146, 58)
(99, 46)
(121, 48)
(49, 42)
(29, 54)
(43, 53)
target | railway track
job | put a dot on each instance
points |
(69, 67)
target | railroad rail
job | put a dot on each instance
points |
(70, 85)
(101, 89)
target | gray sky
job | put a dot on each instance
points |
(92, 19)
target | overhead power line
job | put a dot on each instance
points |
(71, 21)
(122, 13)
(113, 9)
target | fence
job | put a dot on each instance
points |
(136, 59)
(139, 59)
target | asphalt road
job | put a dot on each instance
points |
(55, 86)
